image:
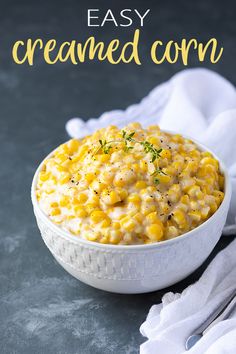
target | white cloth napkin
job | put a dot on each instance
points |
(169, 324)
(195, 102)
(201, 104)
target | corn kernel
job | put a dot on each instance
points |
(164, 179)
(210, 160)
(115, 237)
(179, 217)
(97, 216)
(124, 220)
(61, 158)
(213, 207)
(62, 149)
(116, 225)
(139, 217)
(43, 176)
(165, 154)
(90, 176)
(106, 222)
(154, 232)
(82, 198)
(64, 201)
(144, 166)
(55, 211)
(174, 193)
(134, 198)
(148, 209)
(80, 212)
(104, 239)
(154, 140)
(135, 167)
(93, 236)
(49, 190)
(119, 182)
(129, 225)
(205, 212)
(108, 177)
(171, 232)
(221, 182)
(94, 201)
(184, 199)
(103, 158)
(141, 185)
(194, 191)
(63, 166)
(114, 197)
(152, 217)
(122, 216)
(65, 178)
(122, 193)
(219, 195)
(73, 146)
(195, 215)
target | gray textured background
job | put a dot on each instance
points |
(42, 308)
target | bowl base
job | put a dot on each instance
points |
(121, 286)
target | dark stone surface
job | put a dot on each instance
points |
(42, 308)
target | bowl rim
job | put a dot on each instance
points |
(70, 237)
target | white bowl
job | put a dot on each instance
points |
(134, 268)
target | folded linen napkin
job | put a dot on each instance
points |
(195, 102)
(169, 324)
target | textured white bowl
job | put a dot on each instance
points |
(134, 268)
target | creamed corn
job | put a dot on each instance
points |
(109, 188)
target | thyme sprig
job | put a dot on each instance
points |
(128, 138)
(157, 172)
(104, 145)
(149, 148)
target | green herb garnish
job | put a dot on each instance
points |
(128, 138)
(156, 173)
(105, 146)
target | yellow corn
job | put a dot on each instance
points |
(143, 166)
(195, 215)
(179, 217)
(116, 225)
(164, 179)
(97, 216)
(152, 217)
(65, 178)
(154, 232)
(106, 222)
(129, 225)
(80, 212)
(55, 211)
(165, 154)
(73, 146)
(140, 184)
(118, 195)
(43, 176)
(64, 201)
(90, 176)
(82, 198)
(139, 217)
(103, 158)
(134, 198)
(115, 237)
